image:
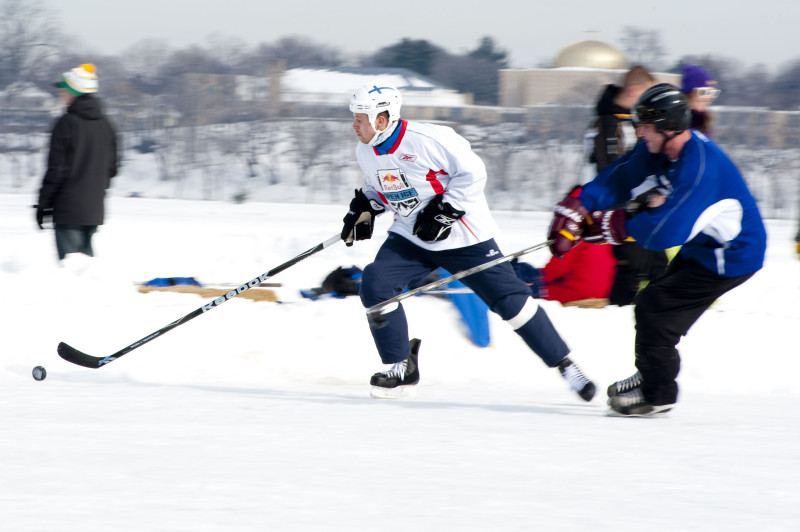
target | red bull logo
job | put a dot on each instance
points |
(392, 182)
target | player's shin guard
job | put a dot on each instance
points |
(534, 326)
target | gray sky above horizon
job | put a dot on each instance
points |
(531, 32)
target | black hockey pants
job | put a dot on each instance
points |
(665, 310)
(634, 265)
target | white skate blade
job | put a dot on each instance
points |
(376, 392)
(658, 411)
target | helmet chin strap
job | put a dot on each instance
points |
(667, 139)
(380, 136)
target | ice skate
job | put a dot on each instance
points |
(625, 385)
(398, 380)
(576, 379)
(633, 404)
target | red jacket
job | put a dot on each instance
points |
(587, 271)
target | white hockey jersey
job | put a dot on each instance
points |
(416, 163)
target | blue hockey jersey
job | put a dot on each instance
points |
(709, 210)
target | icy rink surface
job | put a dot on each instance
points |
(257, 415)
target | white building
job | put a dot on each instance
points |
(335, 85)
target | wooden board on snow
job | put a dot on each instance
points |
(256, 294)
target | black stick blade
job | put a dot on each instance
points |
(70, 354)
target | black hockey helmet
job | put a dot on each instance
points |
(665, 106)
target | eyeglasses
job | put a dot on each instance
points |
(708, 92)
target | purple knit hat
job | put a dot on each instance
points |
(695, 76)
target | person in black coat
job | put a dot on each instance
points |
(634, 263)
(81, 162)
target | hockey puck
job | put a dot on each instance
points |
(39, 373)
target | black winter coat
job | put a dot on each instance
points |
(609, 143)
(81, 162)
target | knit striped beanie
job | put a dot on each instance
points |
(80, 80)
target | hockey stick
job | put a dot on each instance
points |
(375, 312)
(70, 354)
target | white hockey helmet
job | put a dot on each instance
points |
(374, 99)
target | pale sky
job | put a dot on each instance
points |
(531, 31)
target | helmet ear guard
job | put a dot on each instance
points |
(664, 106)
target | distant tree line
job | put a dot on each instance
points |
(144, 85)
(36, 50)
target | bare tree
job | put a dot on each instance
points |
(643, 46)
(146, 65)
(311, 150)
(785, 89)
(230, 52)
(296, 51)
(497, 147)
(30, 40)
(754, 85)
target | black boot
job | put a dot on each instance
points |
(394, 382)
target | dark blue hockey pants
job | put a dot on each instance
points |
(400, 265)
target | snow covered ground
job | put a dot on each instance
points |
(257, 415)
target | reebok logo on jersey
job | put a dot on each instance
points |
(408, 157)
(492, 253)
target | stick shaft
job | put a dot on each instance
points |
(390, 304)
(75, 356)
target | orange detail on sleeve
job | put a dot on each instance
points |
(567, 234)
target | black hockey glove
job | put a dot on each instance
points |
(360, 219)
(435, 220)
(42, 214)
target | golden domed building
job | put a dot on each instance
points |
(591, 54)
(579, 73)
